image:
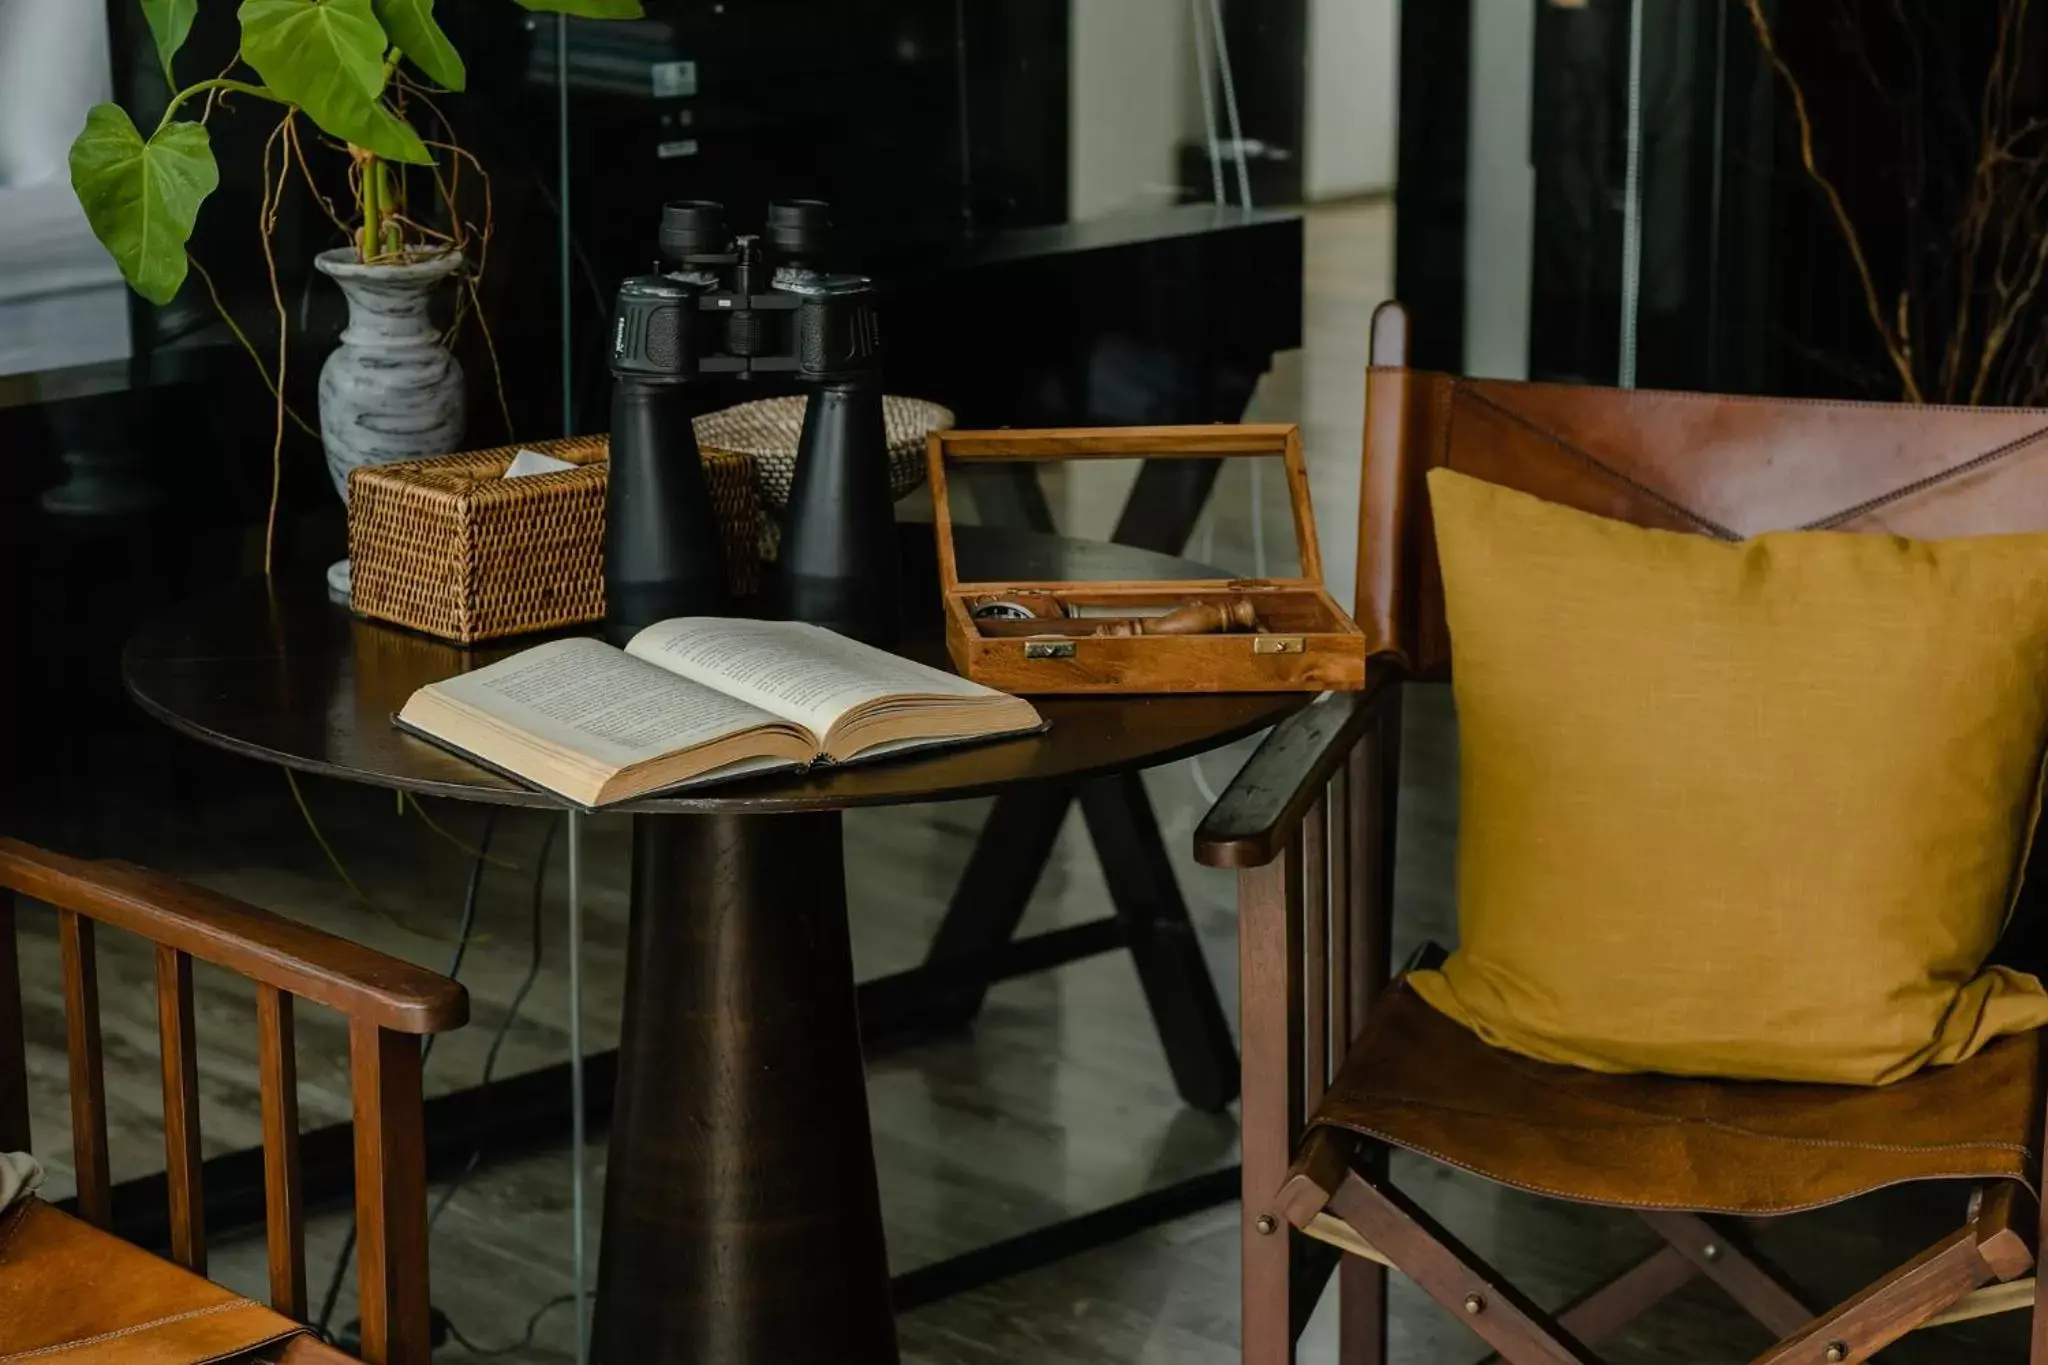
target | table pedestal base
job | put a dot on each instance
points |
(741, 1219)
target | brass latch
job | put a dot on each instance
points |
(1276, 644)
(1057, 649)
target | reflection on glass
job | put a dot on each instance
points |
(61, 301)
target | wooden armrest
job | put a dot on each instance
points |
(245, 939)
(1249, 824)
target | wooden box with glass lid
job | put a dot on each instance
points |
(1221, 634)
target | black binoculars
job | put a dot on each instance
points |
(746, 306)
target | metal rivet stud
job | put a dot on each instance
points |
(1712, 1251)
(1836, 1353)
(1265, 1223)
(1475, 1304)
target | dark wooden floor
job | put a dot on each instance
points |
(1056, 1102)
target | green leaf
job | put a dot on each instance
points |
(169, 23)
(143, 197)
(325, 56)
(375, 127)
(588, 9)
(315, 53)
(411, 26)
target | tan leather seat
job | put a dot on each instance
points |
(1422, 1082)
(99, 1299)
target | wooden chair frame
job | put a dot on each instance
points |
(1309, 826)
(389, 1004)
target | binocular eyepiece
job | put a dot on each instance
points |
(693, 227)
(694, 231)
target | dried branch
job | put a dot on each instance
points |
(1896, 347)
(2016, 288)
(1978, 214)
(298, 152)
(267, 228)
(1973, 197)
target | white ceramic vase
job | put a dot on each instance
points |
(390, 391)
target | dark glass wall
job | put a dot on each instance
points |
(1747, 281)
(926, 123)
(939, 130)
(1430, 193)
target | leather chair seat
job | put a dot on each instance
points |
(1419, 1081)
(71, 1294)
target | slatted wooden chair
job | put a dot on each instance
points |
(1309, 824)
(68, 1280)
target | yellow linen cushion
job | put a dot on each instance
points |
(1752, 809)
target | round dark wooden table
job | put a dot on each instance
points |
(741, 1217)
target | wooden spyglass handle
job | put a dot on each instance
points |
(1221, 617)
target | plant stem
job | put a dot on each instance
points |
(217, 83)
(392, 203)
(367, 240)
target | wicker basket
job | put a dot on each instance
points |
(451, 547)
(765, 431)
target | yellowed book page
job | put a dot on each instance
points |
(805, 673)
(585, 697)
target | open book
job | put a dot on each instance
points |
(700, 699)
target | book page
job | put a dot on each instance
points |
(805, 673)
(584, 696)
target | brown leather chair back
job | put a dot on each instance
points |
(1712, 464)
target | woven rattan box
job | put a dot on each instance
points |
(451, 547)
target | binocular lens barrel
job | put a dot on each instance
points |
(800, 227)
(693, 227)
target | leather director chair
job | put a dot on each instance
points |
(72, 1292)
(1339, 1066)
